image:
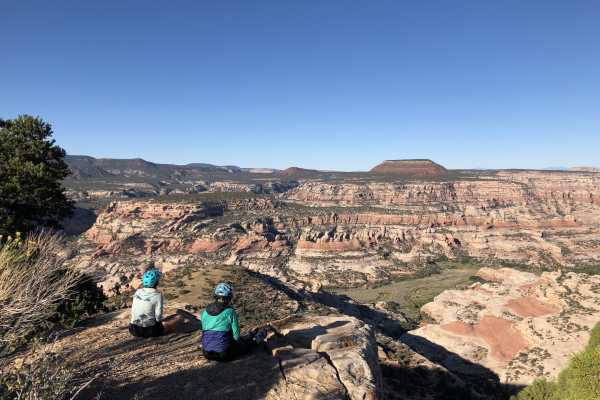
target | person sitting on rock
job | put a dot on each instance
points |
(221, 339)
(147, 308)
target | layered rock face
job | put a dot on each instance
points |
(417, 167)
(517, 325)
(371, 230)
(585, 169)
(327, 357)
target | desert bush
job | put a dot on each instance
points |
(88, 299)
(33, 282)
(475, 278)
(578, 382)
(36, 287)
(45, 374)
(169, 296)
(120, 296)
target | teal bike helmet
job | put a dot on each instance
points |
(224, 290)
(151, 278)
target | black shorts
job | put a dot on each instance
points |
(237, 348)
(147, 332)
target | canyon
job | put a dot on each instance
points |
(532, 237)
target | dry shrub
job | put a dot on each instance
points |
(33, 281)
(44, 374)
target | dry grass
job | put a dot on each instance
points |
(33, 280)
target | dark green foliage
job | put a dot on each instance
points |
(31, 170)
(87, 300)
(169, 296)
(540, 389)
(393, 306)
(578, 381)
(594, 337)
(474, 278)
(120, 297)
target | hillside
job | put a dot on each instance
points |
(420, 168)
(295, 171)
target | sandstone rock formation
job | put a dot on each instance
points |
(295, 171)
(518, 325)
(342, 352)
(585, 169)
(353, 232)
(306, 357)
(419, 168)
(363, 232)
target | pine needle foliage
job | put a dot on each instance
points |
(31, 170)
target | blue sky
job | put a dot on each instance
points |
(337, 85)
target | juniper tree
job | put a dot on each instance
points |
(31, 170)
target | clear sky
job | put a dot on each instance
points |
(324, 84)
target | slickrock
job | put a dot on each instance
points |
(504, 342)
(345, 343)
(530, 307)
(310, 358)
(420, 168)
(517, 325)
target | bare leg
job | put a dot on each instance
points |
(172, 322)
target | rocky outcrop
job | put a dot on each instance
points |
(585, 169)
(82, 220)
(295, 171)
(324, 355)
(517, 325)
(305, 357)
(420, 168)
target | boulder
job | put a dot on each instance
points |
(346, 343)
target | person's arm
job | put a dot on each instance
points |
(159, 308)
(235, 325)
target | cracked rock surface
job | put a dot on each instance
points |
(305, 357)
(306, 342)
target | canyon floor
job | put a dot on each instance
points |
(402, 253)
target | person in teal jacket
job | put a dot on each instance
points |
(221, 339)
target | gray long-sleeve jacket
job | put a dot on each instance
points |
(147, 307)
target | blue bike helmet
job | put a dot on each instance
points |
(224, 290)
(151, 278)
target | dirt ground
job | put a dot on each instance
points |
(169, 367)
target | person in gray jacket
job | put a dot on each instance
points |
(147, 308)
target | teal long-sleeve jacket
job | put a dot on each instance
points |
(220, 327)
